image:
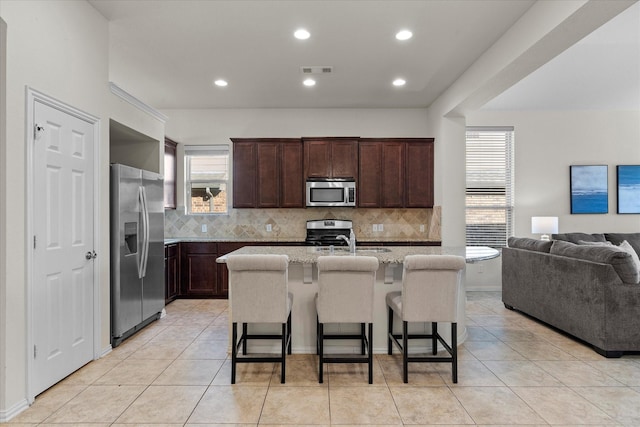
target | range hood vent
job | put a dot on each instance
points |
(317, 69)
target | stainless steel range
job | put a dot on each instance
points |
(325, 232)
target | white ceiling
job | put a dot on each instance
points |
(168, 53)
(601, 71)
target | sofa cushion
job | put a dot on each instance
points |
(577, 237)
(625, 246)
(619, 259)
(530, 244)
(632, 238)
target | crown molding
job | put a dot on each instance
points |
(121, 93)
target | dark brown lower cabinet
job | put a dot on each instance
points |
(171, 272)
(223, 272)
(199, 270)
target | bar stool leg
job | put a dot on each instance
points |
(362, 339)
(284, 352)
(389, 331)
(434, 339)
(320, 351)
(244, 339)
(289, 333)
(234, 349)
(454, 351)
(405, 352)
(370, 353)
(317, 335)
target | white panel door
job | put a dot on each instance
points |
(63, 248)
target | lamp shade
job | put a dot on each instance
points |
(544, 224)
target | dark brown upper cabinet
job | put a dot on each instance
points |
(419, 173)
(331, 157)
(267, 173)
(170, 173)
(395, 173)
(369, 194)
(245, 174)
(292, 184)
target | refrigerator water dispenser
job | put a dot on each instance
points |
(131, 238)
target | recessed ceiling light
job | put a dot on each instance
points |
(399, 82)
(301, 34)
(309, 82)
(404, 35)
(221, 83)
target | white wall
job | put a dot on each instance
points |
(59, 48)
(3, 205)
(546, 144)
(194, 127)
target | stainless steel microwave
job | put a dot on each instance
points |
(331, 192)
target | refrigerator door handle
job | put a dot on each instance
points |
(141, 234)
(145, 221)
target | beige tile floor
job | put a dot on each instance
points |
(513, 371)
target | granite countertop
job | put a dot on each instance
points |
(171, 240)
(385, 255)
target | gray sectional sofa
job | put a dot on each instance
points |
(578, 284)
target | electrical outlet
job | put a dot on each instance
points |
(375, 227)
(422, 228)
(204, 228)
(380, 227)
(269, 228)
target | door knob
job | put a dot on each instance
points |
(90, 255)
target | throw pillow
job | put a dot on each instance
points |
(619, 259)
(625, 246)
(632, 238)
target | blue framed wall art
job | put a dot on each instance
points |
(628, 189)
(589, 189)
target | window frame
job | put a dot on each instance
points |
(205, 151)
(494, 152)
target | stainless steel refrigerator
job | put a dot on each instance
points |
(137, 250)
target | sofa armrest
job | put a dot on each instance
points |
(567, 293)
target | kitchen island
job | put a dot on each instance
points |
(303, 285)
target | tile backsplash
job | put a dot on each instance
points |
(290, 224)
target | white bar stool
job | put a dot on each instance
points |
(345, 295)
(258, 293)
(430, 287)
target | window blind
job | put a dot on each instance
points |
(489, 185)
(206, 150)
(206, 178)
(206, 163)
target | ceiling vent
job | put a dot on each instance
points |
(316, 70)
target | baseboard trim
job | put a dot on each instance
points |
(483, 288)
(7, 414)
(106, 351)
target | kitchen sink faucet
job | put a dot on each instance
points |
(351, 241)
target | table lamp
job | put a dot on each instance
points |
(544, 225)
